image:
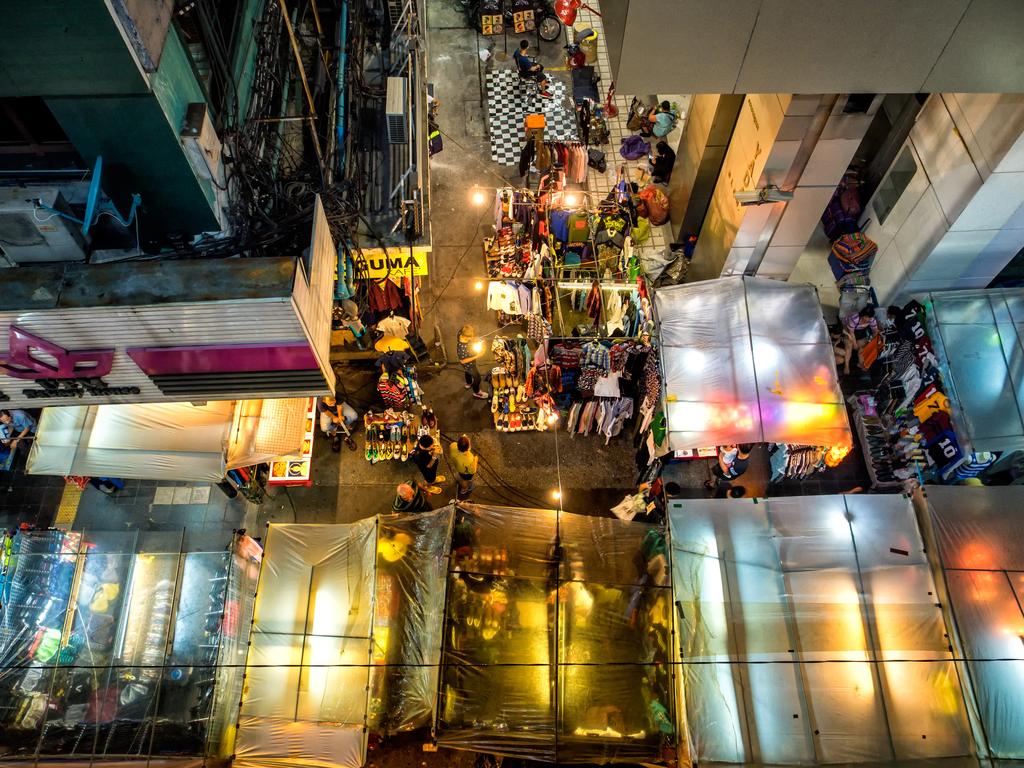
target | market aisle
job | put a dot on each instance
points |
(518, 469)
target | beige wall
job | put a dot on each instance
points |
(820, 46)
(728, 231)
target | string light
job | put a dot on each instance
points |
(478, 198)
(478, 346)
(479, 285)
(556, 495)
(571, 199)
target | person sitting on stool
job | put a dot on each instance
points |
(530, 69)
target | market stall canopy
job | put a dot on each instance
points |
(977, 337)
(345, 615)
(748, 360)
(556, 638)
(810, 633)
(982, 554)
(120, 647)
(165, 441)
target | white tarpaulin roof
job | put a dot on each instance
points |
(977, 334)
(311, 667)
(748, 360)
(165, 441)
(810, 633)
(982, 555)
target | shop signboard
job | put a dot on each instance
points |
(295, 469)
(395, 263)
(169, 331)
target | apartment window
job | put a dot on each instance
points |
(894, 185)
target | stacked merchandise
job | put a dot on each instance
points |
(509, 256)
(795, 462)
(399, 389)
(852, 253)
(886, 469)
(251, 482)
(851, 257)
(510, 407)
(910, 401)
(389, 435)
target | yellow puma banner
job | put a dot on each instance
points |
(376, 264)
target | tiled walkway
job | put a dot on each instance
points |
(601, 184)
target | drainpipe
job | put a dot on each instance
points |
(796, 170)
(342, 66)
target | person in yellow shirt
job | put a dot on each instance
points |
(465, 464)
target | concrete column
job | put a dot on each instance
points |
(699, 155)
(799, 143)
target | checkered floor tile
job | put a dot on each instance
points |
(508, 104)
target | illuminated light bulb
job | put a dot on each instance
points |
(571, 199)
(479, 285)
(478, 346)
(556, 495)
(552, 418)
(478, 197)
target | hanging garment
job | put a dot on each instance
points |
(607, 386)
(383, 296)
(503, 297)
(394, 325)
(593, 302)
(595, 355)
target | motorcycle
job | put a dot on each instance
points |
(496, 17)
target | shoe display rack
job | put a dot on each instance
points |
(389, 435)
(511, 409)
(886, 471)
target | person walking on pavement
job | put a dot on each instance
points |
(733, 461)
(465, 464)
(427, 457)
(468, 351)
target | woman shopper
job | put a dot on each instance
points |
(468, 350)
(465, 464)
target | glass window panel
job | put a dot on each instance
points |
(893, 185)
(988, 615)
(907, 617)
(998, 687)
(613, 710)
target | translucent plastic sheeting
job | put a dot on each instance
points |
(173, 441)
(411, 574)
(308, 665)
(118, 635)
(556, 636)
(346, 638)
(748, 360)
(809, 633)
(982, 554)
(978, 337)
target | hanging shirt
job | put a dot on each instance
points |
(503, 297)
(383, 295)
(394, 325)
(607, 386)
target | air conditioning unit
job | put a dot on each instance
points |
(199, 138)
(394, 108)
(31, 234)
